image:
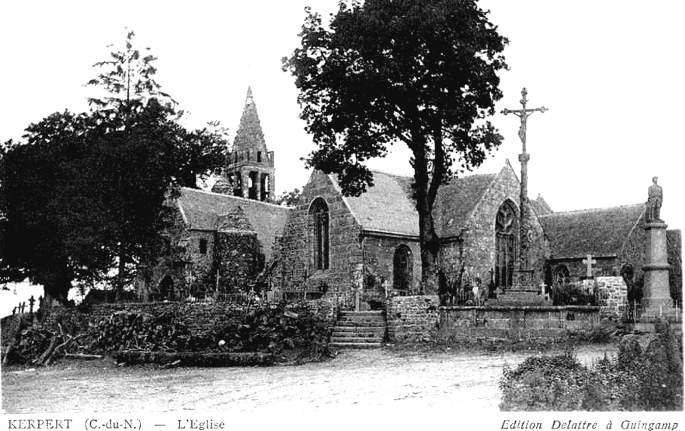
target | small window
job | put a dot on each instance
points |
(259, 156)
(203, 246)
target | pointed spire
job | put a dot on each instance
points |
(248, 99)
(249, 135)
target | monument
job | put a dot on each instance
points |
(524, 291)
(656, 300)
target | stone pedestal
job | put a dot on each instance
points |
(656, 299)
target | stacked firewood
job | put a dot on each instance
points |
(271, 329)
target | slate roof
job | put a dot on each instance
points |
(205, 211)
(457, 200)
(599, 232)
(540, 206)
(249, 135)
(387, 206)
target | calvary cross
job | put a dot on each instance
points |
(523, 114)
(588, 262)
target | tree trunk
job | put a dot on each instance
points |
(429, 250)
(56, 290)
(119, 284)
(429, 242)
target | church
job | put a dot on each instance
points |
(234, 239)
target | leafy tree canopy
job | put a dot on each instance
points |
(289, 198)
(421, 72)
(84, 193)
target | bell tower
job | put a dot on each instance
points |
(250, 168)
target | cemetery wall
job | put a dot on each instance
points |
(412, 318)
(513, 323)
(613, 295)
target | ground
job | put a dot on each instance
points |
(367, 378)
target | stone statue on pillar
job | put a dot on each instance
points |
(656, 301)
(655, 196)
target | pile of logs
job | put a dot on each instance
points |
(272, 330)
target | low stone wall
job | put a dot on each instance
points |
(613, 294)
(412, 318)
(513, 323)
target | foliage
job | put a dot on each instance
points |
(422, 73)
(84, 193)
(127, 81)
(289, 199)
(544, 383)
(635, 380)
(50, 230)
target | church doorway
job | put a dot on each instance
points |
(403, 268)
(166, 288)
(505, 244)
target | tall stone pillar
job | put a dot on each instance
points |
(656, 298)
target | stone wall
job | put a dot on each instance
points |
(297, 271)
(379, 254)
(513, 323)
(412, 318)
(613, 294)
(475, 250)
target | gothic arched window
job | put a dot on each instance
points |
(506, 226)
(318, 211)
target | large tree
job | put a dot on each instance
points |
(149, 153)
(49, 229)
(83, 194)
(421, 72)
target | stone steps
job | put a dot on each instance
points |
(359, 330)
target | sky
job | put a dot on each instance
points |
(609, 72)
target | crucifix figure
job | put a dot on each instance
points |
(523, 114)
(588, 262)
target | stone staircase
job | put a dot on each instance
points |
(359, 330)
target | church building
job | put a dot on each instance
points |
(366, 248)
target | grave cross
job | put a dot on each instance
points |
(32, 301)
(588, 262)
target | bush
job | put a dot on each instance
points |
(636, 380)
(544, 383)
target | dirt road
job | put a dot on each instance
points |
(372, 378)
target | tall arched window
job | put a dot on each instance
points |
(318, 211)
(403, 267)
(506, 227)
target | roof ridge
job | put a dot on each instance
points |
(233, 197)
(587, 210)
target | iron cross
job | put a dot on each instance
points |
(523, 114)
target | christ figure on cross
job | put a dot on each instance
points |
(523, 114)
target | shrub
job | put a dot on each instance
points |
(636, 380)
(544, 383)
